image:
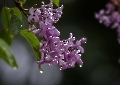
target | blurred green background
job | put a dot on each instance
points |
(102, 50)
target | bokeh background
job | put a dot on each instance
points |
(102, 50)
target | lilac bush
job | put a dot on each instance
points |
(65, 53)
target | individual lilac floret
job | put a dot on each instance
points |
(64, 53)
(110, 17)
(110, 7)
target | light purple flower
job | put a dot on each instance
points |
(110, 17)
(64, 53)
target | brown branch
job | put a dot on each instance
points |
(20, 7)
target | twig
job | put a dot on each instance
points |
(20, 7)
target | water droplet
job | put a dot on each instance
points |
(56, 56)
(41, 71)
(54, 60)
(78, 51)
(21, 26)
(100, 21)
(49, 64)
(14, 68)
(79, 54)
(60, 68)
(38, 61)
(80, 65)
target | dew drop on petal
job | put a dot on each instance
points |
(60, 68)
(49, 64)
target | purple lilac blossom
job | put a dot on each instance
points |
(110, 17)
(64, 53)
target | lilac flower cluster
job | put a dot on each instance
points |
(110, 17)
(53, 50)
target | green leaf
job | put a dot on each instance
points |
(11, 18)
(2, 33)
(22, 2)
(6, 17)
(15, 25)
(34, 42)
(6, 37)
(56, 2)
(17, 12)
(7, 55)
